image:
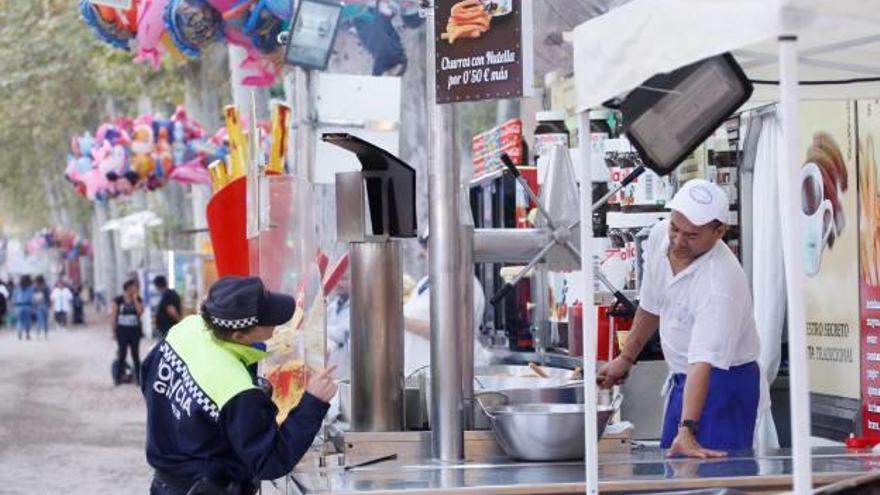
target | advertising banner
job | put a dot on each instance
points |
(829, 223)
(868, 112)
(483, 49)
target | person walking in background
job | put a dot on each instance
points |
(77, 303)
(23, 297)
(125, 318)
(4, 303)
(41, 305)
(62, 302)
(168, 312)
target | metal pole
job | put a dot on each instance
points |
(789, 176)
(303, 121)
(467, 328)
(444, 267)
(589, 329)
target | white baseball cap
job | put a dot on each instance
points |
(701, 201)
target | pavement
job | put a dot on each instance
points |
(64, 427)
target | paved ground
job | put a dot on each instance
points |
(64, 427)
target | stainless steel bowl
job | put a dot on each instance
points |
(544, 432)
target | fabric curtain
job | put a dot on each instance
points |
(767, 270)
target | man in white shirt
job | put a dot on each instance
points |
(62, 303)
(696, 292)
(417, 321)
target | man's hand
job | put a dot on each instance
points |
(321, 385)
(614, 373)
(686, 444)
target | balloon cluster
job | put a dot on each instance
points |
(145, 152)
(182, 28)
(68, 243)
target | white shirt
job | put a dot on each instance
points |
(705, 310)
(417, 349)
(62, 299)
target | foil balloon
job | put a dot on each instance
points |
(109, 29)
(151, 28)
(193, 24)
(142, 147)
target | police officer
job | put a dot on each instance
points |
(210, 429)
(695, 290)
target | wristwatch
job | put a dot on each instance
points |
(690, 424)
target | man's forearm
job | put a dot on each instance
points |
(419, 327)
(643, 328)
(695, 389)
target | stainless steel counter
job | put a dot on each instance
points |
(645, 469)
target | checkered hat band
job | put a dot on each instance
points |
(234, 324)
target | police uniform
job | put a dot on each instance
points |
(210, 429)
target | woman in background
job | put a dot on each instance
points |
(41, 305)
(23, 298)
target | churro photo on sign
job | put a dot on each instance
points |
(467, 19)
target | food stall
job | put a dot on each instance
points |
(450, 458)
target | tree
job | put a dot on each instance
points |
(55, 80)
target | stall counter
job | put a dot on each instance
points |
(645, 469)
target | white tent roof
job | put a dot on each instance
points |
(838, 40)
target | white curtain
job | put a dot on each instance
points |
(768, 273)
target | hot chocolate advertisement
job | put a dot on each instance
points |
(483, 49)
(829, 223)
(868, 112)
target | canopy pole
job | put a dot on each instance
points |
(589, 325)
(789, 177)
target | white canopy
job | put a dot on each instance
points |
(838, 40)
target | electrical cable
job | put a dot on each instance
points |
(830, 82)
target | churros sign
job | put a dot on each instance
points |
(483, 49)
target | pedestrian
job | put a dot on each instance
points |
(696, 292)
(23, 297)
(125, 318)
(41, 305)
(78, 306)
(4, 302)
(62, 303)
(168, 312)
(218, 433)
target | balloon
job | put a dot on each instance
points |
(150, 28)
(193, 24)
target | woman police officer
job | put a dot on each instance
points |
(210, 428)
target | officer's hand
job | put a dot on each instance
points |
(613, 373)
(321, 384)
(686, 444)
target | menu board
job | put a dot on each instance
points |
(868, 112)
(829, 224)
(483, 49)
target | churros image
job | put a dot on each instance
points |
(467, 19)
(869, 204)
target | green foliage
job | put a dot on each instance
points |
(58, 79)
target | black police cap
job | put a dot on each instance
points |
(242, 302)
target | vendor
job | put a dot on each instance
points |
(210, 429)
(417, 321)
(696, 292)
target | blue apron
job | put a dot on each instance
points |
(730, 411)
